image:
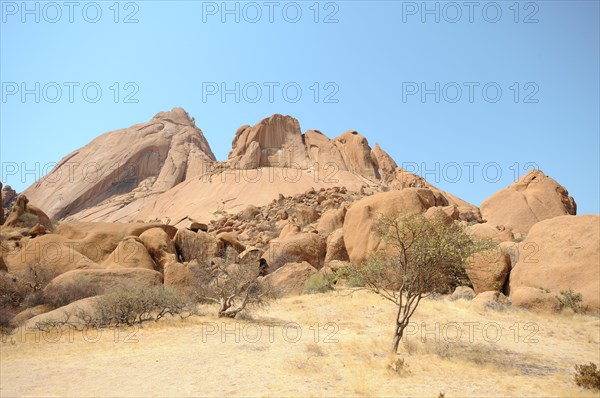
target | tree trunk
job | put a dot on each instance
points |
(397, 337)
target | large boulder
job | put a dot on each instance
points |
(448, 214)
(130, 253)
(488, 270)
(336, 250)
(299, 247)
(331, 220)
(290, 278)
(490, 300)
(359, 237)
(230, 239)
(22, 208)
(199, 246)
(100, 281)
(563, 254)
(160, 246)
(531, 199)
(183, 277)
(305, 215)
(494, 233)
(48, 256)
(98, 240)
(67, 313)
(534, 299)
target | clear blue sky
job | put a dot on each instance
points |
(374, 55)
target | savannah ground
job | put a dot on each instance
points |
(343, 350)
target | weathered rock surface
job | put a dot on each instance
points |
(564, 254)
(301, 247)
(359, 238)
(532, 198)
(488, 270)
(22, 207)
(199, 246)
(142, 160)
(130, 253)
(290, 278)
(160, 246)
(101, 281)
(336, 249)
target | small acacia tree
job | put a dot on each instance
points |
(421, 256)
(235, 287)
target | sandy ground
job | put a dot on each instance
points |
(331, 344)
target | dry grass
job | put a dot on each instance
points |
(329, 344)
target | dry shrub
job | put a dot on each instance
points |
(129, 305)
(588, 376)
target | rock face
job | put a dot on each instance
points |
(277, 141)
(534, 299)
(274, 141)
(23, 207)
(48, 256)
(159, 246)
(164, 171)
(198, 246)
(384, 163)
(486, 231)
(8, 196)
(359, 238)
(336, 250)
(290, 278)
(533, 198)
(130, 253)
(144, 159)
(301, 247)
(490, 301)
(488, 270)
(101, 281)
(563, 253)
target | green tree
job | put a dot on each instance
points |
(421, 256)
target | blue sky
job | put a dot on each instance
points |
(368, 61)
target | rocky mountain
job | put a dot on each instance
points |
(124, 166)
(165, 171)
(150, 203)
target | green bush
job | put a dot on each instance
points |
(318, 283)
(588, 376)
(28, 220)
(129, 305)
(572, 300)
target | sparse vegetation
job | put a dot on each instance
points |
(588, 376)
(422, 257)
(28, 220)
(233, 287)
(572, 300)
(319, 283)
(128, 305)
